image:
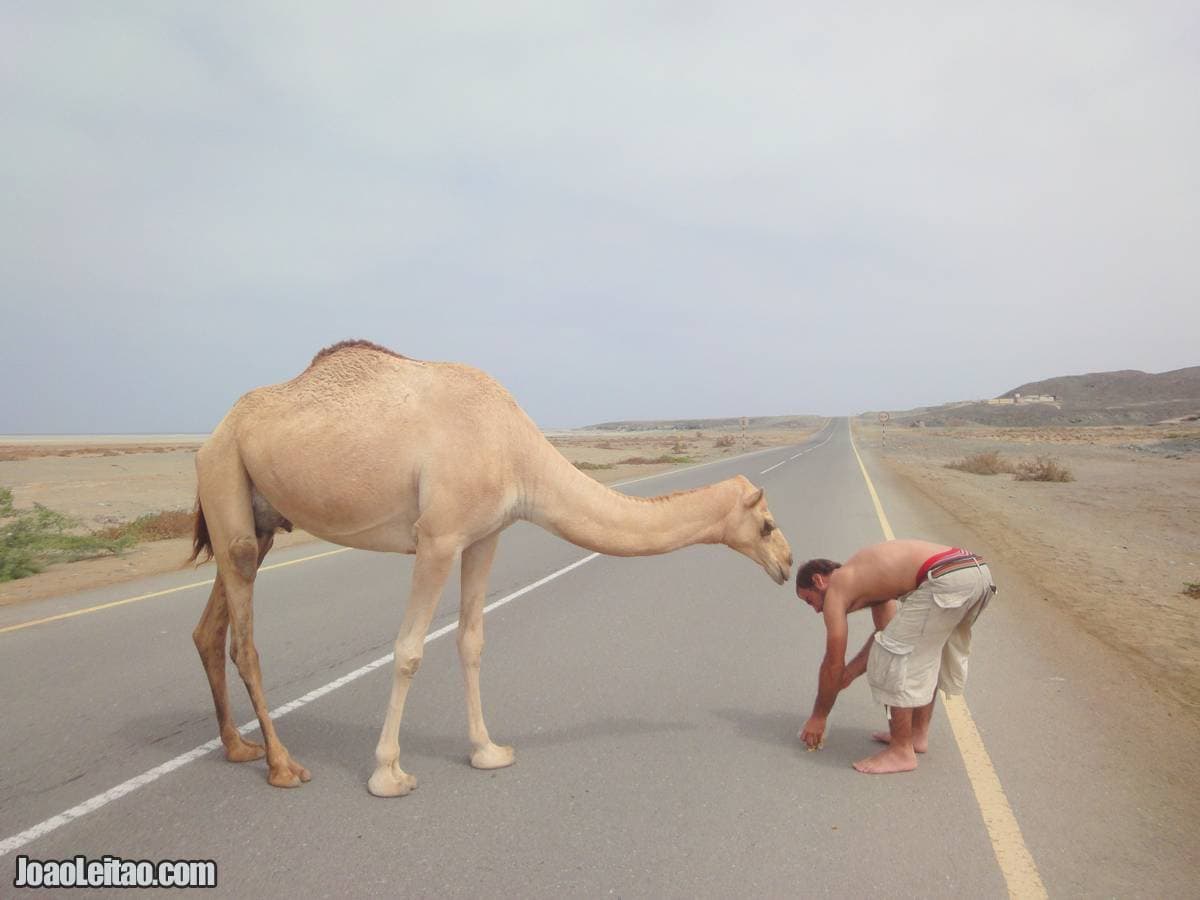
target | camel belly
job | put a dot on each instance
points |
(341, 500)
(391, 537)
(372, 517)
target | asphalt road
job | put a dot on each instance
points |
(653, 704)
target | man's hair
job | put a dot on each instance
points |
(804, 575)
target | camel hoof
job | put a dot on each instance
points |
(492, 757)
(290, 774)
(391, 781)
(244, 751)
(285, 779)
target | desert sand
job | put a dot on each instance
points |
(1115, 547)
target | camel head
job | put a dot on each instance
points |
(750, 529)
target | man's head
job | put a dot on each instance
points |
(812, 580)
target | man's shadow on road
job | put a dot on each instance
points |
(781, 730)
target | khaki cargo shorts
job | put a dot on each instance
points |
(926, 645)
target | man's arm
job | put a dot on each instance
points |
(829, 679)
(882, 613)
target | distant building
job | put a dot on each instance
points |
(1022, 398)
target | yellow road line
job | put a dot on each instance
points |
(883, 519)
(1016, 863)
(139, 597)
(1014, 858)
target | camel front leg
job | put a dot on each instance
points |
(430, 572)
(476, 563)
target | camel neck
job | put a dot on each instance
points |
(579, 509)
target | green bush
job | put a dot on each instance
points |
(31, 539)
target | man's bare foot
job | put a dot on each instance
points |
(920, 744)
(887, 761)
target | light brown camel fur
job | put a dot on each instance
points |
(370, 449)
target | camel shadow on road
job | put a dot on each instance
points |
(338, 743)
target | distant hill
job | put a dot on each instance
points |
(1126, 397)
(753, 423)
(1128, 387)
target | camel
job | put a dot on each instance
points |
(370, 449)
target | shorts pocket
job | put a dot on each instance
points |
(887, 664)
(953, 595)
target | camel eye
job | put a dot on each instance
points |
(768, 527)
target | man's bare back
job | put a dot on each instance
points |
(881, 572)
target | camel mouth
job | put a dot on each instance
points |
(779, 575)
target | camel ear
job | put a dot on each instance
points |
(754, 498)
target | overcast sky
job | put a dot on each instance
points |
(620, 211)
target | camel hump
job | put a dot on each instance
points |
(356, 344)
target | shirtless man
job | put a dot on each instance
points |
(924, 598)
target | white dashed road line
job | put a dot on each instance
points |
(126, 787)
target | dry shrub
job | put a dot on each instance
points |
(1044, 468)
(591, 466)
(989, 462)
(10, 452)
(603, 445)
(160, 526)
(1192, 589)
(725, 440)
(646, 461)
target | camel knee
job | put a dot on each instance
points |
(408, 660)
(209, 641)
(243, 554)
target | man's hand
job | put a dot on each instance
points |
(813, 733)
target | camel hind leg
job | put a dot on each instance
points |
(210, 640)
(225, 497)
(476, 563)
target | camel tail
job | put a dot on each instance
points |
(201, 543)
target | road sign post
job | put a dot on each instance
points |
(883, 420)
